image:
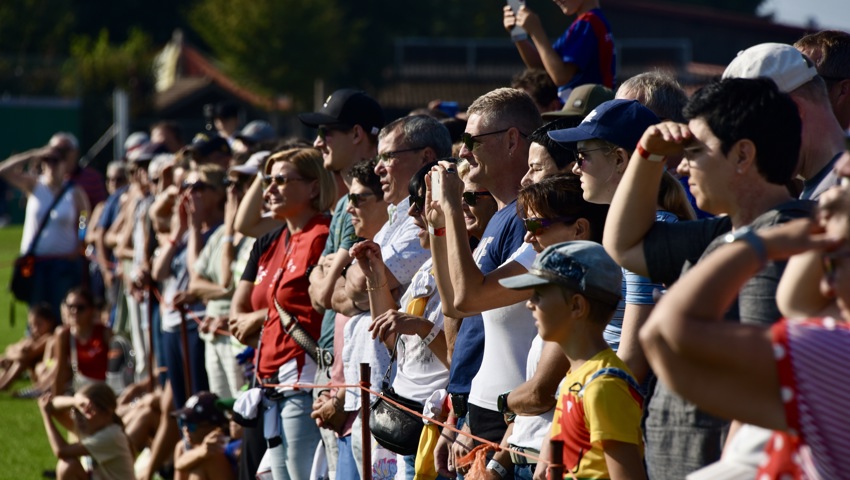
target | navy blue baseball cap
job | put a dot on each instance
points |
(621, 122)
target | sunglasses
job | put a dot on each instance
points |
(280, 179)
(388, 157)
(418, 202)
(536, 225)
(357, 199)
(76, 307)
(471, 198)
(191, 427)
(830, 261)
(324, 130)
(471, 141)
(239, 184)
(197, 186)
(581, 155)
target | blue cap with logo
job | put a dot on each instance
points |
(621, 122)
(579, 265)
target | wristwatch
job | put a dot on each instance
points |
(502, 406)
(748, 235)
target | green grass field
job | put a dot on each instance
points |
(25, 451)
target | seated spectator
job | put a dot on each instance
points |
(577, 287)
(82, 345)
(100, 431)
(201, 454)
(24, 355)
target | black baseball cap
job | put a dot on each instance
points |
(350, 107)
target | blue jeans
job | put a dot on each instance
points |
(292, 458)
(52, 278)
(346, 469)
(172, 350)
(524, 472)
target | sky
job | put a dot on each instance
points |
(826, 13)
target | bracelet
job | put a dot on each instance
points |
(437, 232)
(431, 335)
(644, 153)
(228, 239)
(373, 289)
(497, 467)
(751, 238)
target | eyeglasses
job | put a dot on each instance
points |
(356, 199)
(418, 202)
(197, 186)
(470, 141)
(280, 180)
(471, 198)
(386, 157)
(536, 225)
(830, 261)
(581, 155)
(324, 130)
(76, 307)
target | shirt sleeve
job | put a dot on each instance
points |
(611, 411)
(524, 256)
(578, 44)
(667, 247)
(404, 257)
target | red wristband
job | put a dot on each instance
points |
(437, 232)
(652, 157)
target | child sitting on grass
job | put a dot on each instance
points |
(100, 431)
(201, 454)
(25, 354)
(577, 287)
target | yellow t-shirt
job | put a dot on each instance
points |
(608, 409)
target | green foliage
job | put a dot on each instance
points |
(98, 65)
(277, 45)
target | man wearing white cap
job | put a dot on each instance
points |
(795, 74)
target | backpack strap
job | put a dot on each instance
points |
(614, 372)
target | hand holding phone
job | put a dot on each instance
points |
(517, 33)
(436, 187)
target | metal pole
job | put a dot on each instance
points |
(365, 377)
(184, 339)
(556, 460)
(151, 374)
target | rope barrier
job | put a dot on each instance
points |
(190, 313)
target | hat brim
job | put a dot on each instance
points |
(315, 119)
(524, 281)
(245, 169)
(571, 135)
(559, 114)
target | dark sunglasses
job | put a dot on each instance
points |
(471, 198)
(357, 199)
(471, 141)
(197, 186)
(536, 225)
(76, 307)
(191, 427)
(280, 179)
(240, 184)
(324, 130)
(581, 155)
(418, 202)
(830, 261)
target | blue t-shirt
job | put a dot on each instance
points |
(589, 45)
(341, 236)
(637, 290)
(502, 237)
(111, 207)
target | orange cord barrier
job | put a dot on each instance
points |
(191, 314)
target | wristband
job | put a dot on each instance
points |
(431, 335)
(497, 467)
(652, 157)
(437, 232)
(227, 239)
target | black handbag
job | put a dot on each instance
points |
(22, 283)
(395, 429)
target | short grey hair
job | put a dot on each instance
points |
(657, 91)
(421, 131)
(505, 108)
(117, 166)
(68, 137)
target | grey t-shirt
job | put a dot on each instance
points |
(680, 438)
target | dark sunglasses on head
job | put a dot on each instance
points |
(356, 199)
(324, 130)
(471, 198)
(536, 225)
(280, 179)
(197, 186)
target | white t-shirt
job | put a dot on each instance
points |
(420, 373)
(110, 449)
(508, 333)
(532, 431)
(399, 243)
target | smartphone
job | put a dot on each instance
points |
(517, 33)
(436, 187)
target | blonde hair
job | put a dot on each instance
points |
(308, 163)
(672, 198)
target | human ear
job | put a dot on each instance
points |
(744, 154)
(582, 229)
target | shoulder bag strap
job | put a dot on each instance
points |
(46, 218)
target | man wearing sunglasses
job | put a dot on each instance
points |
(348, 124)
